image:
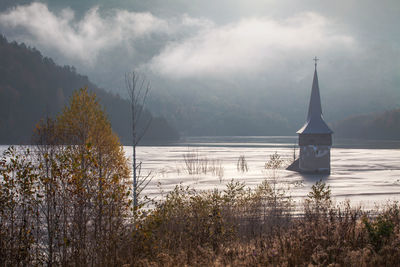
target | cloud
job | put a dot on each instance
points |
(107, 43)
(262, 62)
(249, 46)
(81, 40)
(184, 47)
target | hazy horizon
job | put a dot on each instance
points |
(225, 60)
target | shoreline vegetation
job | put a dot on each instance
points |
(231, 227)
(71, 204)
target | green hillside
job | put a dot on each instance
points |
(33, 87)
(384, 125)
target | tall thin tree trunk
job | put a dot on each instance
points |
(135, 201)
(137, 91)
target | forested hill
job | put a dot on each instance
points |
(384, 125)
(33, 87)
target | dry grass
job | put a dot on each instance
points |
(238, 227)
(242, 165)
(196, 164)
(233, 227)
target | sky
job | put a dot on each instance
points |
(254, 53)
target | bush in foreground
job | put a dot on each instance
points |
(239, 227)
(67, 204)
(233, 227)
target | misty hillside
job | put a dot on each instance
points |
(247, 71)
(33, 86)
(196, 113)
(370, 126)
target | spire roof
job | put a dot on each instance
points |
(315, 123)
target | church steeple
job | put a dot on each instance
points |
(315, 122)
(315, 137)
(314, 108)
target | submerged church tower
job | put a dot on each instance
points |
(315, 137)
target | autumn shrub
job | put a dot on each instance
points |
(67, 204)
(382, 229)
(18, 209)
(243, 227)
(237, 226)
(66, 201)
(194, 227)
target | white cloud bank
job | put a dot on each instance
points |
(190, 47)
(84, 39)
(250, 45)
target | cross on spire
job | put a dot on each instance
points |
(315, 123)
(315, 59)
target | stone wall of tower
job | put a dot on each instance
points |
(315, 139)
(315, 153)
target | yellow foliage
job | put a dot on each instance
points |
(84, 124)
(83, 164)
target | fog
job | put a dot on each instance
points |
(212, 65)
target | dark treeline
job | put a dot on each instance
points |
(384, 125)
(33, 87)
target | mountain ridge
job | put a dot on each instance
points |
(33, 86)
(379, 125)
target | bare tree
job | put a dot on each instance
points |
(137, 88)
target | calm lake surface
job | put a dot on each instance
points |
(365, 172)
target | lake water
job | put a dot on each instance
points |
(365, 172)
